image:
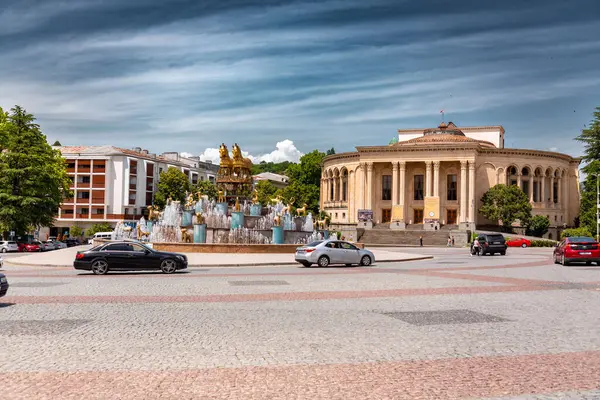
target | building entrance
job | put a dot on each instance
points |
(418, 216)
(451, 217)
(386, 215)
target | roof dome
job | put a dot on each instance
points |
(444, 134)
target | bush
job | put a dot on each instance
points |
(575, 232)
(75, 231)
(538, 226)
(543, 243)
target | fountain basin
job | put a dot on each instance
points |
(229, 248)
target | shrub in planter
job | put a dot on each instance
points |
(542, 243)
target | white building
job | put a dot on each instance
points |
(111, 184)
(279, 181)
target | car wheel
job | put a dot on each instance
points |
(564, 262)
(99, 267)
(365, 261)
(323, 261)
(4, 250)
(168, 266)
(555, 259)
(523, 245)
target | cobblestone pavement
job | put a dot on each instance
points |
(451, 327)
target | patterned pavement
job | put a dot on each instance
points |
(451, 327)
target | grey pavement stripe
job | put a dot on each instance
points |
(444, 317)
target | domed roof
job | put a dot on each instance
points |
(444, 134)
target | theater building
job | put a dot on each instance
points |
(431, 178)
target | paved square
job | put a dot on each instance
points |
(444, 317)
(451, 327)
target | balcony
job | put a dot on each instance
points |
(133, 186)
(70, 200)
(82, 216)
(83, 168)
(97, 216)
(126, 217)
(81, 185)
(98, 200)
(83, 201)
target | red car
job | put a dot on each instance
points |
(577, 249)
(518, 242)
(29, 247)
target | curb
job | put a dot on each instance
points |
(11, 264)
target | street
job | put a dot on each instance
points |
(451, 327)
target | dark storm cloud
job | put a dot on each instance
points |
(321, 73)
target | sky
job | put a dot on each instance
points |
(284, 78)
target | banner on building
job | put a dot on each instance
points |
(365, 215)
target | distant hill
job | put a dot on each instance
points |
(276, 168)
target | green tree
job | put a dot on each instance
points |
(102, 227)
(75, 231)
(591, 138)
(266, 191)
(276, 168)
(172, 184)
(588, 188)
(301, 194)
(206, 188)
(506, 204)
(56, 143)
(538, 226)
(33, 176)
(308, 171)
(331, 151)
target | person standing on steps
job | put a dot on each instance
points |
(452, 240)
(449, 241)
(421, 241)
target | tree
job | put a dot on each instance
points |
(308, 171)
(56, 143)
(588, 188)
(331, 151)
(75, 231)
(33, 176)
(206, 188)
(266, 191)
(102, 227)
(591, 138)
(575, 232)
(172, 184)
(276, 168)
(506, 204)
(301, 194)
(538, 226)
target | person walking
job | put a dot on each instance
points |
(449, 241)
(421, 241)
(452, 240)
(476, 247)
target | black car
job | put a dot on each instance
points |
(128, 256)
(491, 244)
(71, 242)
(3, 285)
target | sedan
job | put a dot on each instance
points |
(6, 246)
(577, 249)
(325, 252)
(128, 256)
(518, 242)
(48, 245)
(60, 245)
(29, 247)
(3, 285)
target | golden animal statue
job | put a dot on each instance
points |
(190, 201)
(288, 208)
(186, 236)
(275, 200)
(301, 211)
(322, 224)
(199, 218)
(237, 206)
(254, 196)
(277, 220)
(152, 213)
(141, 233)
(222, 198)
(127, 228)
(225, 160)
(241, 165)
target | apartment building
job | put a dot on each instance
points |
(111, 184)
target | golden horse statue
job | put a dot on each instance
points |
(186, 236)
(288, 207)
(221, 198)
(254, 196)
(276, 199)
(190, 203)
(141, 233)
(301, 211)
(199, 218)
(277, 220)
(225, 161)
(239, 161)
(152, 213)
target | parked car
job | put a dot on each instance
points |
(28, 247)
(71, 242)
(8, 245)
(128, 256)
(518, 242)
(491, 244)
(3, 284)
(577, 249)
(60, 245)
(326, 252)
(48, 245)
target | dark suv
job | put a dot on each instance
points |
(492, 243)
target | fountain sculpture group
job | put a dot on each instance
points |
(236, 217)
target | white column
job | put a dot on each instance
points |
(519, 179)
(322, 194)
(402, 182)
(360, 186)
(427, 178)
(394, 183)
(463, 191)
(543, 190)
(350, 196)
(551, 191)
(566, 199)
(531, 178)
(369, 185)
(436, 178)
(471, 191)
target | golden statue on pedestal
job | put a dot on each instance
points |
(234, 179)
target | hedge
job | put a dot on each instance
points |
(576, 232)
(543, 243)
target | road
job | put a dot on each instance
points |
(451, 327)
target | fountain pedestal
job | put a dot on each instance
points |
(186, 218)
(237, 219)
(277, 234)
(325, 234)
(221, 208)
(200, 233)
(255, 210)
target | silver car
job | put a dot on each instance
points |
(8, 245)
(325, 252)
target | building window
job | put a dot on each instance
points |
(99, 211)
(160, 170)
(212, 179)
(83, 179)
(344, 190)
(452, 186)
(67, 212)
(343, 215)
(386, 187)
(555, 194)
(536, 196)
(71, 165)
(83, 195)
(418, 187)
(85, 211)
(513, 182)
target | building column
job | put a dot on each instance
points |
(559, 191)
(360, 186)
(322, 193)
(531, 180)
(519, 180)
(551, 192)
(566, 199)
(472, 191)
(427, 178)
(436, 179)
(402, 193)
(463, 192)
(543, 190)
(394, 183)
(350, 196)
(369, 185)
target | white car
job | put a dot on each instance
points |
(6, 246)
(326, 252)
(60, 245)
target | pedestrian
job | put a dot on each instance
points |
(476, 246)
(421, 241)
(449, 241)
(452, 240)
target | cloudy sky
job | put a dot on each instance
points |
(287, 77)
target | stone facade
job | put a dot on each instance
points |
(436, 177)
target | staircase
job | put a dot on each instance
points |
(383, 236)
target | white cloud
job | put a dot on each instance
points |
(186, 154)
(285, 150)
